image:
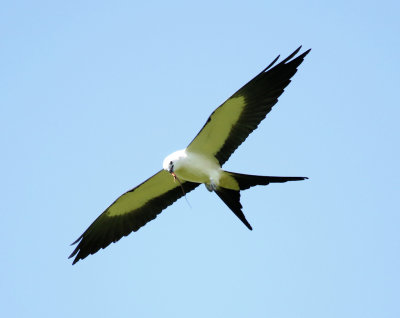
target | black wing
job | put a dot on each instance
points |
(231, 123)
(130, 212)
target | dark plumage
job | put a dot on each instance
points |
(226, 128)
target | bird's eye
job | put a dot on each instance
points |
(171, 167)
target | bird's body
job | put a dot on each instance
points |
(198, 168)
(194, 167)
(200, 163)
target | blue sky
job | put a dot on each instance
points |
(94, 95)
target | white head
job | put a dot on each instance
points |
(171, 161)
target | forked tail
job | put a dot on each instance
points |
(245, 181)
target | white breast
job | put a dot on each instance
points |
(194, 167)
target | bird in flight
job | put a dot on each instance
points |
(200, 162)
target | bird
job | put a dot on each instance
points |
(199, 163)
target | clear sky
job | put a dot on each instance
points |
(94, 95)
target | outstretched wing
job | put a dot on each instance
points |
(130, 212)
(231, 123)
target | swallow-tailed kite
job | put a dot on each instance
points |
(201, 162)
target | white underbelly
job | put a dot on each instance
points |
(198, 168)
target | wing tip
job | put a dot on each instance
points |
(291, 56)
(77, 252)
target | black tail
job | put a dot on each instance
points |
(247, 180)
(232, 197)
